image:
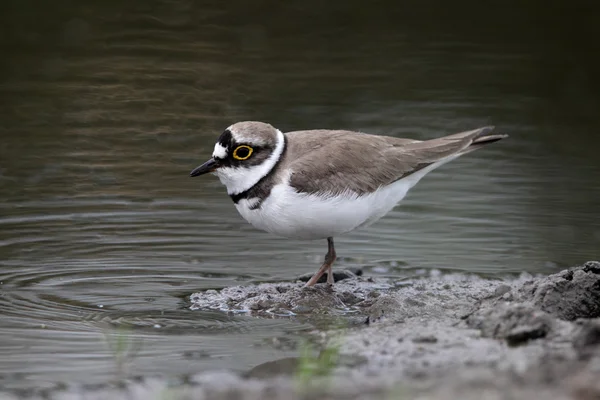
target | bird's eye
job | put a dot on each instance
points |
(242, 152)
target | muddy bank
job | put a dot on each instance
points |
(441, 336)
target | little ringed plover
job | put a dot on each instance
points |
(317, 184)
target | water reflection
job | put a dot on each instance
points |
(107, 106)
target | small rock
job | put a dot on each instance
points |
(516, 323)
(425, 339)
(592, 266)
(501, 290)
(414, 302)
(349, 298)
(384, 306)
(507, 296)
(284, 366)
(567, 299)
(587, 339)
(568, 275)
(522, 334)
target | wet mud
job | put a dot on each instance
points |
(442, 336)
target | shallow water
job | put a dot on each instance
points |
(105, 108)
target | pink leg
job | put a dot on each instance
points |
(329, 259)
(330, 280)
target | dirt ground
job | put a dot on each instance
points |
(442, 336)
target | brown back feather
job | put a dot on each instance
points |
(332, 162)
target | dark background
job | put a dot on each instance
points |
(105, 107)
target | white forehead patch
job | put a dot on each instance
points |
(220, 151)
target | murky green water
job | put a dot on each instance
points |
(107, 106)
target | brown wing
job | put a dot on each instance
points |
(332, 162)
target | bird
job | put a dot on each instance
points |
(321, 183)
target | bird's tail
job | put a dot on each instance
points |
(483, 139)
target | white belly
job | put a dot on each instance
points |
(305, 216)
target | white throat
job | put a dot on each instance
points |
(238, 180)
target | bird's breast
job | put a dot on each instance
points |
(288, 213)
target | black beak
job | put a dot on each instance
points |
(205, 168)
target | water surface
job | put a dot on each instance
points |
(107, 106)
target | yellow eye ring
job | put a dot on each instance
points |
(245, 156)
